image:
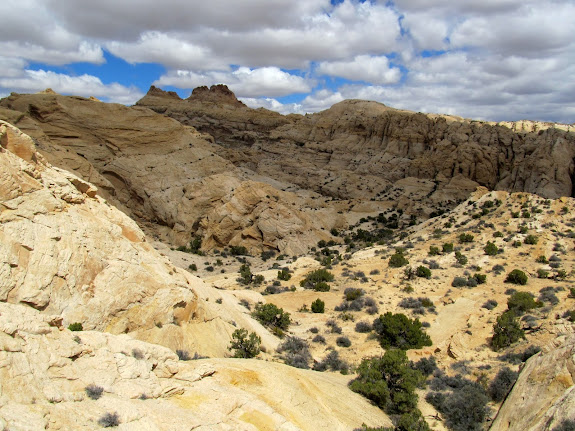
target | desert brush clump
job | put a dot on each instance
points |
(76, 326)
(318, 306)
(506, 331)
(502, 384)
(109, 420)
(390, 382)
(399, 331)
(516, 277)
(520, 302)
(318, 280)
(398, 259)
(244, 345)
(273, 317)
(94, 392)
(462, 402)
(295, 352)
(332, 362)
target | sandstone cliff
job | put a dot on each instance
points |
(356, 149)
(65, 251)
(544, 394)
(167, 176)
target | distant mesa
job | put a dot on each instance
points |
(158, 92)
(219, 93)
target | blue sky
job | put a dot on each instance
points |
(485, 59)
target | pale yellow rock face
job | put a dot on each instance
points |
(65, 251)
(44, 371)
(167, 176)
(357, 149)
(544, 393)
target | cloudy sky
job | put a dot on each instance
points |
(484, 59)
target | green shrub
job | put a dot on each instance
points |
(352, 293)
(423, 272)
(318, 306)
(397, 330)
(516, 277)
(196, 245)
(541, 259)
(466, 238)
(398, 260)
(480, 278)
(317, 280)
(433, 250)
(388, 381)
(265, 255)
(238, 250)
(321, 287)
(245, 346)
(491, 249)
(461, 259)
(448, 247)
(272, 316)
(541, 273)
(506, 331)
(530, 239)
(193, 267)
(246, 276)
(520, 302)
(412, 421)
(284, 274)
(76, 326)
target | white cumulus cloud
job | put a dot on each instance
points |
(244, 82)
(375, 70)
(84, 85)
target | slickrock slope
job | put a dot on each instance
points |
(167, 176)
(544, 394)
(64, 251)
(358, 149)
(44, 372)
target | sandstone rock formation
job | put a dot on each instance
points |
(178, 182)
(65, 251)
(149, 389)
(544, 394)
(167, 176)
(357, 149)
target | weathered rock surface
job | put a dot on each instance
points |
(356, 149)
(150, 389)
(544, 393)
(65, 251)
(167, 176)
